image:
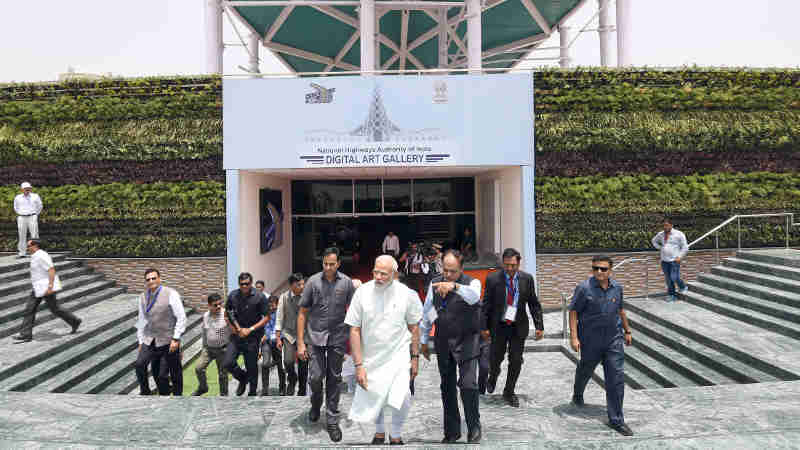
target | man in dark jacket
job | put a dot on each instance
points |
(506, 321)
(452, 305)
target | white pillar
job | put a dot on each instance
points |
(624, 38)
(366, 19)
(474, 38)
(563, 35)
(603, 30)
(252, 49)
(213, 36)
(442, 38)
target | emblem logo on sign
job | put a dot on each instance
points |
(440, 92)
(320, 94)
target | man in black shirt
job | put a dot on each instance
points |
(247, 311)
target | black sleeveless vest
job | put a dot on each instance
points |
(458, 323)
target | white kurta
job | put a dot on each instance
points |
(384, 317)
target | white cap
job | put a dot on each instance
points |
(25, 185)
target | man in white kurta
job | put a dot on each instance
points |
(384, 318)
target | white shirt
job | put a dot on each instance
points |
(25, 205)
(176, 305)
(471, 293)
(383, 317)
(675, 246)
(41, 262)
(216, 332)
(391, 243)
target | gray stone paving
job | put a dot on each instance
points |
(745, 416)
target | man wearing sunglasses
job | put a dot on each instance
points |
(596, 323)
(162, 321)
(247, 311)
(216, 336)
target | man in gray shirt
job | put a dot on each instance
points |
(326, 297)
(286, 334)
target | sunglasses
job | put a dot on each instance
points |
(217, 305)
(601, 269)
(244, 284)
(151, 279)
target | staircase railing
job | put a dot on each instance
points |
(738, 218)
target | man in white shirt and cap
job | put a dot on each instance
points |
(45, 285)
(27, 205)
(384, 320)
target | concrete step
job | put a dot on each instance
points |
(758, 278)
(781, 257)
(67, 299)
(7, 290)
(689, 337)
(117, 362)
(103, 324)
(661, 371)
(762, 305)
(777, 270)
(702, 359)
(91, 294)
(751, 289)
(20, 298)
(13, 264)
(745, 314)
(634, 378)
(25, 273)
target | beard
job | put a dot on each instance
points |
(381, 287)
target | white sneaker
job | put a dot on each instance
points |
(671, 299)
(684, 290)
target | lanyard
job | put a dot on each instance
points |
(151, 303)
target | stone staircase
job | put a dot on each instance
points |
(728, 329)
(98, 358)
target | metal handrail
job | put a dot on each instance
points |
(646, 283)
(738, 218)
(564, 319)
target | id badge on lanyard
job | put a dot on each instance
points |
(153, 302)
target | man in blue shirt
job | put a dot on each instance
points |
(270, 353)
(595, 316)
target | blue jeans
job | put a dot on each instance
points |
(672, 276)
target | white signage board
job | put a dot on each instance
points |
(378, 121)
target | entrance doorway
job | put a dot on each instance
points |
(356, 215)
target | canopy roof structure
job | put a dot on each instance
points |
(325, 35)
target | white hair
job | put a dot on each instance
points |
(390, 258)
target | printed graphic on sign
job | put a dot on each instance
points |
(320, 94)
(377, 141)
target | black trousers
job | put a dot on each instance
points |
(483, 365)
(249, 348)
(32, 305)
(326, 365)
(152, 355)
(505, 340)
(467, 381)
(271, 356)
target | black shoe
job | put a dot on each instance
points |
(281, 390)
(490, 385)
(578, 401)
(289, 389)
(334, 432)
(511, 399)
(301, 392)
(378, 440)
(313, 415)
(223, 394)
(199, 392)
(451, 439)
(75, 327)
(621, 428)
(265, 392)
(400, 442)
(241, 388)
(474, 436)
(22, 338)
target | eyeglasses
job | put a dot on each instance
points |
(246, 283)
(601, 269)
(151, 279)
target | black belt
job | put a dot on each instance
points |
(26, 215)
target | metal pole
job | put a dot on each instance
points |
(716, 238)
(603, 30)
(474, 38)
(739, 231)
(647, 280)
(366, 19)
(564, 326)
(563, 34)
(252, 49)
(624, 38)
(443, 39)
(787, 232)
(213, 36)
